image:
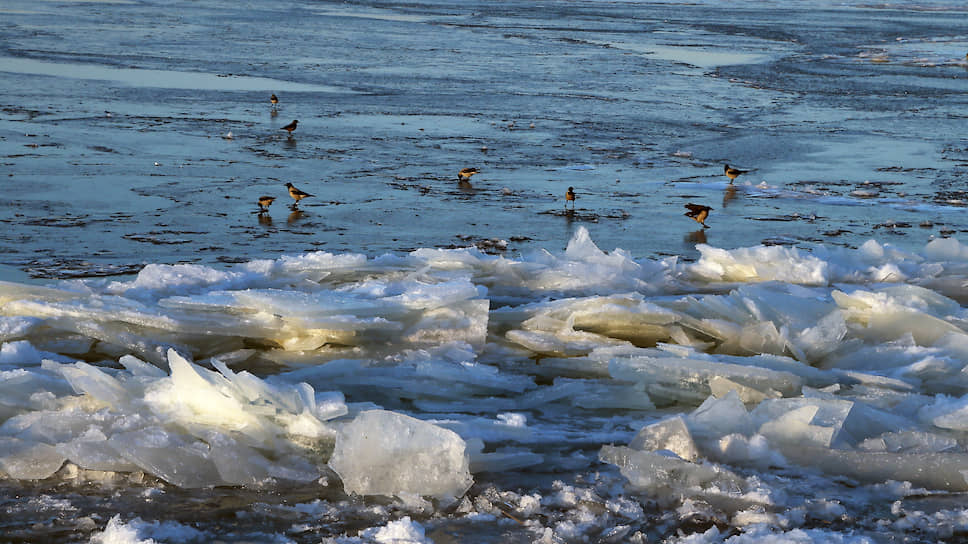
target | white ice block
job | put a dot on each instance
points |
(386, 453)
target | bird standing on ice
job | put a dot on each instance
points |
(291, 127)
(296, 194)
(265, 202)
(699, 213)
(466, 173)
(733, 173)
(464, 176)
(570, 197)
(274, 100)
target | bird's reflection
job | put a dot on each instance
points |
(265, 219)
(729, 194)
(295, 216)
(696, 237)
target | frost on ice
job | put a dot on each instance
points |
(698, 381)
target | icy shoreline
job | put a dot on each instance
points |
(735, 390)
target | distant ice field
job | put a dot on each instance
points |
(402, 358)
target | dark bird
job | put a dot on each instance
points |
(733, 173)
(265, 201)
(570, 197)
(291, 127)
(273, 100)
(699, 213)
(296, 194)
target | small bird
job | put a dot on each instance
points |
(265, 202)
(733, 173)
(466, 173)
(699, 213)
(570, 197)
(291, 127)
(296, 193)
(273, 100)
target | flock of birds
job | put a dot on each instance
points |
(697, 212)
(296, 193)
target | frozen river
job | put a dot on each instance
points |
(402, 358)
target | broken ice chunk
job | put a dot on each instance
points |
(947, 413)
(386, 453)
(198, 396)
(669, 434)
(665, 476)
(239, 464)
(888, 315)
(692, 375)
(721, 386)
(760, 263)
(22, 353)
(849, 422)
(28, 460)
(719, 416)
(929, 470)
(88, 379)
(169, 456)
(911, 442)
(91, 451)
(795, 427)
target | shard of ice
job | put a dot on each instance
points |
(387, 453)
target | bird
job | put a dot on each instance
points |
(570, 197)
(733, 173)
(466, 173)
(296, 193)
(265, 202)
(699, 213)
(273, 100)
(291, 126)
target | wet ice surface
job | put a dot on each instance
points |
(115, 151)
(678, 389)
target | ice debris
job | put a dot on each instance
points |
(193, 427)
(724, 377)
